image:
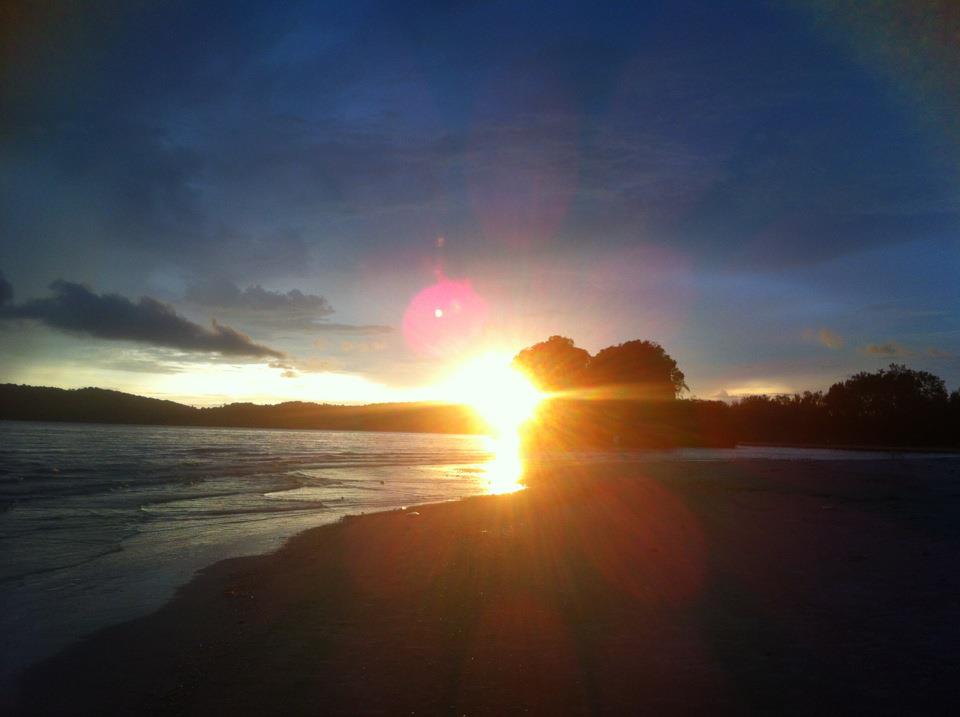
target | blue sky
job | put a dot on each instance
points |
(769, 189)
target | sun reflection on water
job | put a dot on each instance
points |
(505, 469)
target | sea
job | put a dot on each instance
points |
(101, 523)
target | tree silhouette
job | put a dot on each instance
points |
(643, 365)
(892, 406)
(638, 369)
(554, 364)
(885, 392)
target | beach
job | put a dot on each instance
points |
(603, 588)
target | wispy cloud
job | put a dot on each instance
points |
(826, 337)
(363, 329)
(349, 346)
(891, 349)
(293, 367)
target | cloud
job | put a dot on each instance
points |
(889, 349)
(363, 329)
(133, 365)
(830, 339)
(271, 310)
(826, 337)
(293, 367)
(362, 346)
(74, 308)
(227, 295)
(934, 352)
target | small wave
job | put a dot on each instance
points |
(193, 513)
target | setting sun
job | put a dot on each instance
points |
(501, 394)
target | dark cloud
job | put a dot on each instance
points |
(76, 309)
(227, 295)
(274, 311)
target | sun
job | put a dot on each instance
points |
(503, 397)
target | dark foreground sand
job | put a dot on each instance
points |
(763, 587)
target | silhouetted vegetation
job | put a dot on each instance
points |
(97, 405)
(635, 369)
(896, 406)
(612, 424)
(555, 364)
(626, 396)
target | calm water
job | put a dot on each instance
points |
(99, 524)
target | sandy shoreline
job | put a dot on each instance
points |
(679, 588)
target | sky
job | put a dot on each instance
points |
(343, 202)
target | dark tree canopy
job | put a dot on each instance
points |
(643, 366)
(886, 392)
(896, 406)
(555, 364)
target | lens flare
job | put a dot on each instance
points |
(445, 319)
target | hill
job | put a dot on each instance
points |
(98, 405)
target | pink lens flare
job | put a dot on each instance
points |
(444, 319)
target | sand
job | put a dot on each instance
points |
(669, 588)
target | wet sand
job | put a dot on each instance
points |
(661, 588)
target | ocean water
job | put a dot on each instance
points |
(99, 524)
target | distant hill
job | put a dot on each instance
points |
(98, 405)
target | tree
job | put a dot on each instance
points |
(896, 405)
(643, 365)
(895, 390)
(554, 364)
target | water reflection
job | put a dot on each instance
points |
(504, 471)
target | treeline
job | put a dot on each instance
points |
(628, 396)
(896, 406)
(97, 405)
